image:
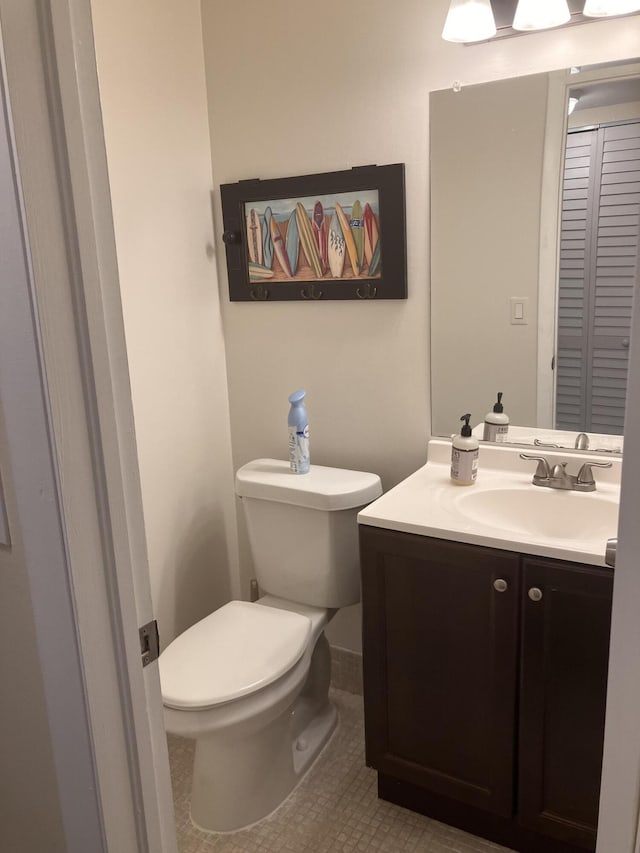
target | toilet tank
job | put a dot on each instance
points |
(303, 531)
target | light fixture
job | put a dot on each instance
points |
(573, 100)
(469, 20)
(608, 8)
(541, 14)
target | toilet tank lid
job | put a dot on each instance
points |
(322, 488)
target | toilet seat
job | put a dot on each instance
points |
(238, 649)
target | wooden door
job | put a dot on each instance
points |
(565, 647)
(440, 658)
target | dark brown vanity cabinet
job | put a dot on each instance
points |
(485, 681)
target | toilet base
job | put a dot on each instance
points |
(241, 777)
(258, 780)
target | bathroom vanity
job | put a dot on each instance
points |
(486, 651)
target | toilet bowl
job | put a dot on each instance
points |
(250, 681)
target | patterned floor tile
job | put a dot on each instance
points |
(335, 809)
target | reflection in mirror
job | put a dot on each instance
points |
(535, 219)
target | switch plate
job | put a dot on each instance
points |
(519, 310)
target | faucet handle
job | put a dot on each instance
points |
(585, 474)
(539, 443)
(543, 472)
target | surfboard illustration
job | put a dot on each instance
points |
(292, 242)
(320, 233)
(374, 266)
(348, 239)
(278, 245)
(309, 246)
(267, 242)
(371, 233)
(335, 248)
(356, 224)
(257, 272)
(254, 236)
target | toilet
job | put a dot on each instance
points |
(250, 681)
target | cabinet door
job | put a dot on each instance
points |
(440, 658)
(565, 651)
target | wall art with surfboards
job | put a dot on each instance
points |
(337, 235)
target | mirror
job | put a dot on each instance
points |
(526, 298)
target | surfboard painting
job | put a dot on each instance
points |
(320, 232)
(356, 223)
(257, 272)
(334, 237)
(336, 248)
(309, 247)
(278, 247)
(267, 242)
(254, 237)
(292, 243)
(371, 235)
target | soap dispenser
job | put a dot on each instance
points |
(496, 422)
(464, 455)
(298, 424)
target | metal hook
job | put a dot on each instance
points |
(312, 294)
(368, 291)
(259, 293)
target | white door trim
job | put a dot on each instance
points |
(619, 823)
(53, 89)
(36, 487)
(548, 263)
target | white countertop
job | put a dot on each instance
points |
(427, 503)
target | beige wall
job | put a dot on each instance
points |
(487, 146)
(290, 92)
(151, 74)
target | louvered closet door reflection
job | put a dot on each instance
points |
(598, 269)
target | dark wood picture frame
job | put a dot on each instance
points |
(335, 251)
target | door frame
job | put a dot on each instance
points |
(89, 603)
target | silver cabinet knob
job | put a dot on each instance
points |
(500, 585)
(535, 594)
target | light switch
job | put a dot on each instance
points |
(519, 310)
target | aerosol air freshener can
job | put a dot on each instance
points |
(298, 421)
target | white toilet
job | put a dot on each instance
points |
(250, 682)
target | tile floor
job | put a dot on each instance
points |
(335, 809)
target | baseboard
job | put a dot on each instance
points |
(346, 670)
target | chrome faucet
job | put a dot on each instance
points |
(556, 477)
(582, 441)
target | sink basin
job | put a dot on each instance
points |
(548, 513)
(504, 510)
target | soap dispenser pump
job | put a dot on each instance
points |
(496, 422)
(464, 455)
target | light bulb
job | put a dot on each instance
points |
(469, 20)
(608, 8)
(541, 14)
